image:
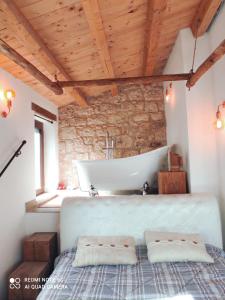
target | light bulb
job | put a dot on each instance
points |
(6, 101)
(9, 94)
(168, 92)
(167, 95)
(219, 124)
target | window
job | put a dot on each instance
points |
(39, 157)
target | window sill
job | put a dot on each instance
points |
(44, 197)
(33, 205)
(51, 202)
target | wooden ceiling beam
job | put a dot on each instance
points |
(94, 18)
(127, 80)
(204, 15)
(6, 50)
(155, 13)
(56, 86)
(217, 54)
(13, 19)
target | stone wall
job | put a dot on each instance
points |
(135, 118)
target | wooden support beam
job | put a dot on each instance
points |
(217, 54)
(94, 18)
(6, 50)
(129, 80)
(155, 11)
(204, 15)
(58, 85)
(13, 19)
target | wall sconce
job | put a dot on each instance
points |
(219, 121)
(6, 98)
(169, 92)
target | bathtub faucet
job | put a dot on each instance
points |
(110, 146)
(145, 189)
(93, 192)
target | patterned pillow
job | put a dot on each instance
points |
(175, 247)
(105, 250)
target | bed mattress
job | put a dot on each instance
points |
(167, 281)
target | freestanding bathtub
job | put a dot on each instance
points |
(122, 174)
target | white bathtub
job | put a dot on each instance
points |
(123, 174)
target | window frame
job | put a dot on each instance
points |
(40, 126)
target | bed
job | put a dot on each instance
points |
(132, 215)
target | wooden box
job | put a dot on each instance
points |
(40, 246)
(172, 182)
(26, 281)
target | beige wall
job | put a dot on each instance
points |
(135, 118)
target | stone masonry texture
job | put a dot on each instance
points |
(135, 118)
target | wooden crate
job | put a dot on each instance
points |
(19, 287)
(172, 182)
(40, 246)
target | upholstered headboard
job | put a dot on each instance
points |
(132, 215)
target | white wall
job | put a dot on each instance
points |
(17, 183)
(216, 35)
(176, 112)
(204, 145)
(42, 222)
(200, 118)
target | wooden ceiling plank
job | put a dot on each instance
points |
(155, 13)
(204, 15)
(94, 18)
(42, 7)
(63, 27)
(19, 26)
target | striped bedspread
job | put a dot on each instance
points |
(167, 281)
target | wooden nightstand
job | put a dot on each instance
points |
(172, 182)
(26, 281)
(39, 253)
(40, 246)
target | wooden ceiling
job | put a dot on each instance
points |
(91, 39)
